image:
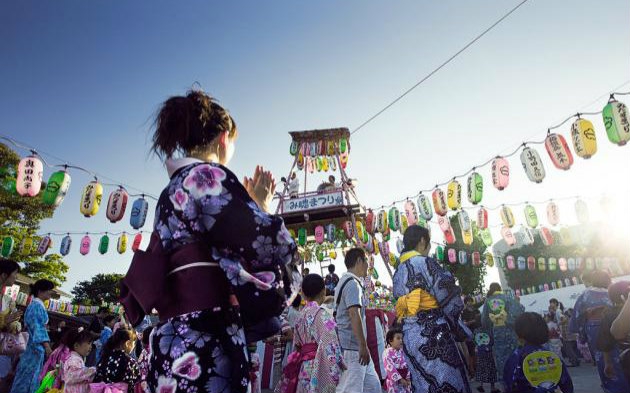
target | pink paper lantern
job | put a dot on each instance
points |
(86, 242)
(500, 173)
(553, 213)
(319, 234)
(482, 218)
(29, 176)
(510, 262)
(476, 258)
(411, 212)
(452, 255)
(508, 236)
(546, 236)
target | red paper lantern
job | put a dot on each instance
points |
(559, 151)
(482, 218)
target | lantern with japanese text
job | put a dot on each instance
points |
(116, 205)
(454, 197)
(526, 235)
(553, 214)
(103, 245)
(384, 249)
(84, 247)
(476, 258)
(500, 261)
(489, 260)
(617, 122)
(452, 255)
(508, 236)
(531, 263)
(482, 218)
(500, 173)
(330, 232)
(530, 216)
(439, 253)
(532, 164)
(332, 164)
(559, 151)
(122, 243)
(56, 188)
(486, 237)
(44, 244)
(581, 211)
(377, 246)
(411, 212)
(511, 264)
(584, 139)
(400, 246)
(302, 236)
(393, 219)
(91, 198)
(546, 236)
(7, 246)
(319, 234)
(30, 173)
(293, 149)
(571, 264)
(370, 222)
(463, 257)
(26, 246)
(362, 235)
(449, 236)
(439, 202)
(507, 217)
(563, 264)
(521, 262)
(424, 206)
(381, 223)
(300, 161)
(348, 229)
(553, 264)
(444, 223)
(475, 188)
(319, 165)
(325, 166)
(466, 227)
(393, 261)
(139, 211)
(66, 242)
(542, 264)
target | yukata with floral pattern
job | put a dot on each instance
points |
(397, 370)
(321, 374)
(76, 377)
(205, 350)
(118, 367)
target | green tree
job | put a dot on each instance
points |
(102, 288)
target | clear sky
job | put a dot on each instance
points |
(82, 80)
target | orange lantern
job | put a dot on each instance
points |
(500, 173)
(439, 202)
(559, 152)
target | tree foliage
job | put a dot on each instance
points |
(102, 288)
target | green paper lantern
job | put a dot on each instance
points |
(553, 264)
(531, 216)
(7, 246)
(617, 122)
(302, 236)
(56, 188)
(343, 145)
(542, 265)
(103, 245)
(475, 188)
(486, 237)
(439, 253)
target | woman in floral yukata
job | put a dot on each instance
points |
(204, 350)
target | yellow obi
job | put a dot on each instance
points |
(415, 301)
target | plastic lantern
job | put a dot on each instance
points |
(581, 211)
(319, 233)
(393, 219)
(466, 227)
(553, 214)
(330, 232)
(103, 245)
(489, 260)
(343, 145)
(332, 164)
(617, 122)
(332, 254)
(476, 258)
(362, 235)
(439, 202)
(400, 246)
(546, 236)
(26, 246)
(584, 139)
(86, 242)
(532, 164)
(486, 237)
(452, 255)
(139, 211)
(508, 236)
(500, 173)
(531, 217)
(542, 264)
(500, 262)
(318, 164)
(411, 212)
(563, 264)
(404, 224)
(482, 218)
(91, 198)
(559, 151)
(122, 243)
(116, 205)
(7, 246)
(393, 261)
(571, 264)
(302, 236)
(553, 264)
(531, 263)
(66, 242)
(454, 195)
(370, 222)
(293, 149)
(325, 166)
(521, 262)
(424, 206)
(475, 188)
(44, 244)
(381, 222)
(511, 265)
(439, 253)
(463, 257)
(449, 236)
(348, 229)
(507, 217)
(56, 188)
(29, 176)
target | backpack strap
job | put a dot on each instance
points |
(341, 292)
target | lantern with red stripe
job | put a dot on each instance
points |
(508, 236)
(482, 218)
(370, 222)
(424, 206)
(348, 229)
(29, 176)
(532, 164)
(476, 258)
(584, 139)
(137, 240)
(507, 217)
(546, 236)
(559, 151)
(117, 204)
(500, 173)
(553, 214)
(439, 202)
(454, 197)
(319, 234)
(411, 212)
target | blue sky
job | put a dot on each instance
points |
(83, 81)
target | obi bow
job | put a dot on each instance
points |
(108, 387)
(294, 365)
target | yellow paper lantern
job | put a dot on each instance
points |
(122, 243)
(584, 139)
(454, 198)
(91, 198)
(507, 217)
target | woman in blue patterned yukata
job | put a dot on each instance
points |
(38, 347)
(220, 256)
(429, 305)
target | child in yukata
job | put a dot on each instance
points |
(485, 368)
(75, 376)
(397, 379)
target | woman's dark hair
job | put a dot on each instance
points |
(413, 235)
(8, 266)
(73, 336)
(117, 339)
(297, 301)
(494, 287)
(331, 268)
(312, 285)
(531, 327)
(41, 286)
(600, 279)
(109, 319)
(188, 122)
(146, 335)
(391, 333)
(352, 257)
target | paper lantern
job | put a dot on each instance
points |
(486, 237)
(393, 219)
(532, 164)
(400, 246)
(521, 262)
(393, 261)
(411, 212)
(103, 245)
(56, 188)
(381, 223)
(449, 236)
(313, 149)
(370, 222)
(343, 145)
(29, 176)
(563, 264)
(531, 263)
(116, 205)
(500, 173)
(84, 247)
(466, 227)
(552, 264)
(542, 264)
(559, 151)
(293, 149)
(318, 164)
(444, 223)
(584, 139)
(330, 148)
(311, 164)
(424, 207)
(617, 122)
(553, 214)
(330, 232)
(489, 260)
(463, 257)
(44, 244)
(454, 197)
(66, 242)
(500, 262)
(122, 243)
(546, 287)
(511, 265)
(571, 264)
(545, 236)
(580, 263)
(26, 246)
(475, 188)
(531, 217)
(332, 254)
(348, 229)
(91, 198)
(517, 293)
(554, 285)
(452, 255)
(325, 164)
(507, 217)
(482, 218)
(369, 243)
(302, 236)
(319, 233)
(362, 235)
(343, 159)
(384, 249)
(404, 224)
(476, 258)
(300, 161)
(508, 236)
(575, 280)
(7, 246)
(567, 282)
(581, 211)
(526, 236)
(332, 164)
(439, 253)
(139, 211)
(439, 202)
